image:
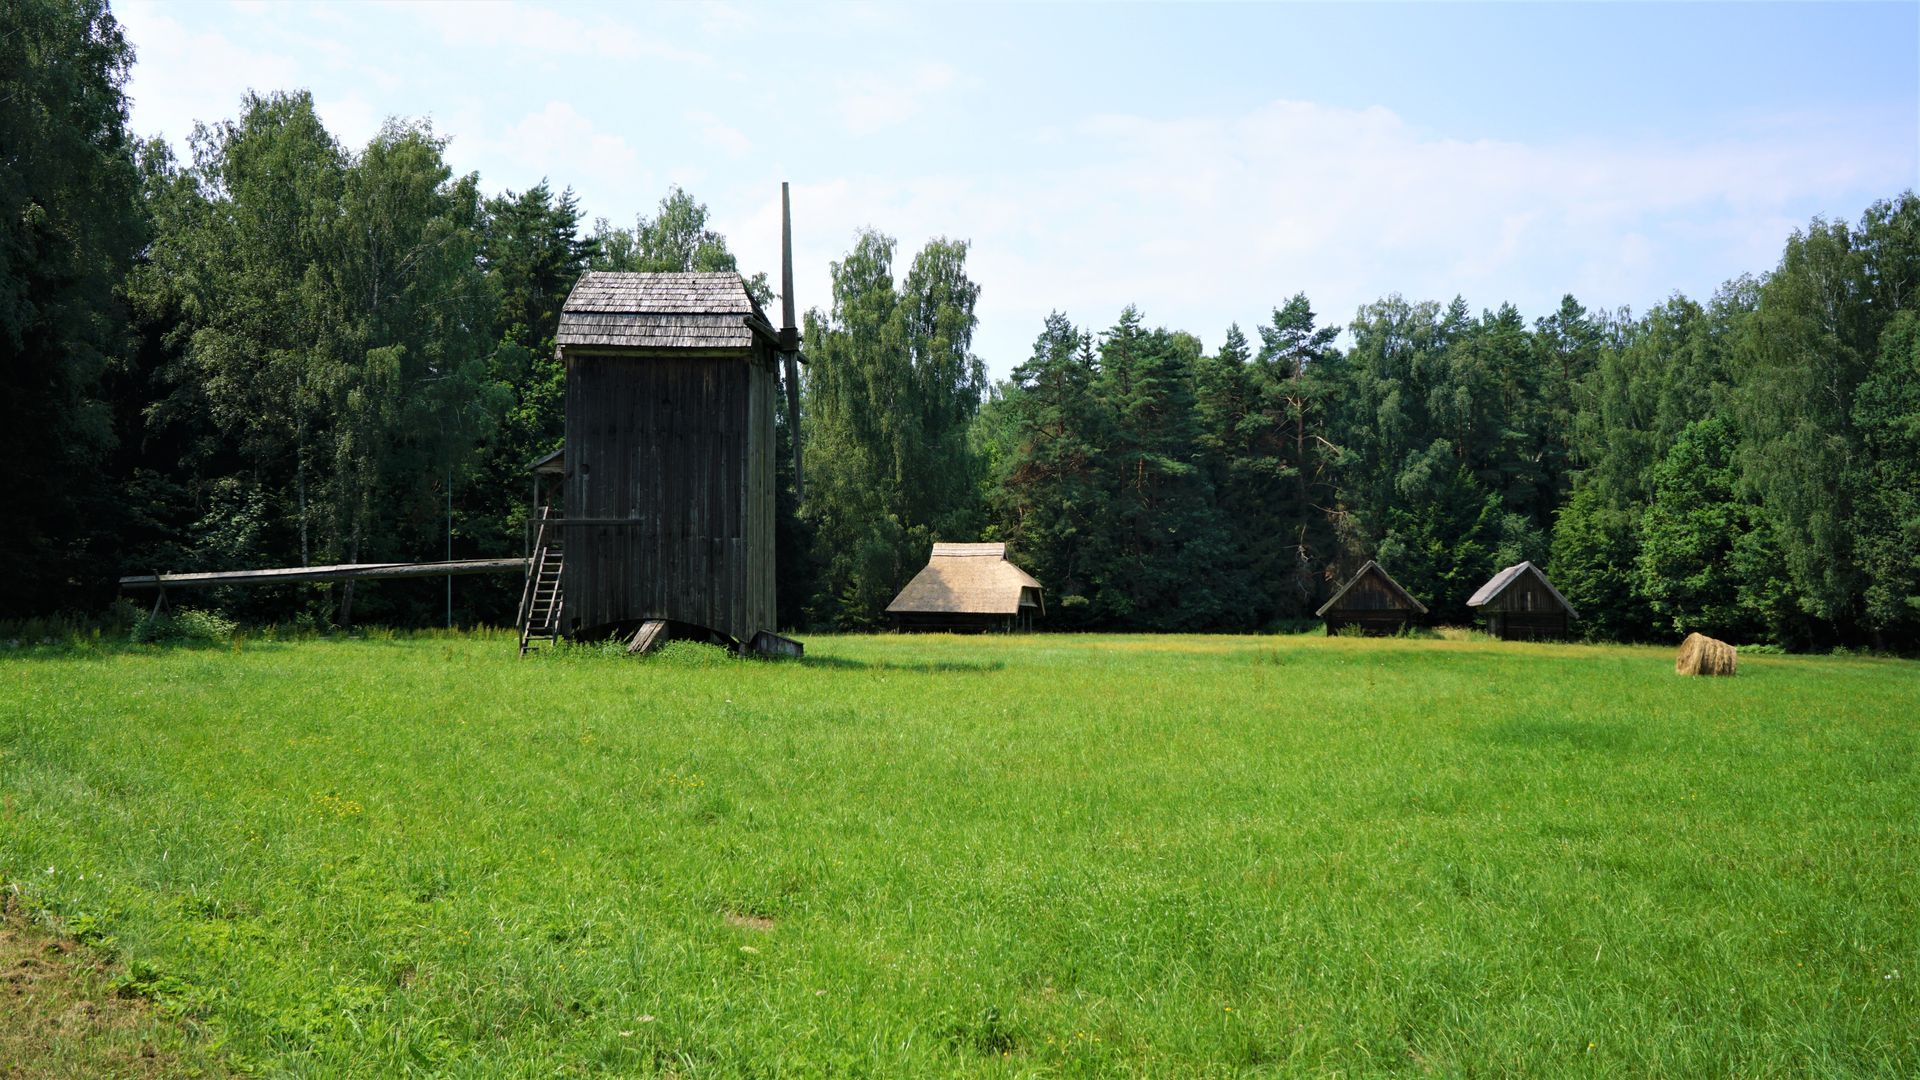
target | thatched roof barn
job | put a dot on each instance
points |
(968, 587)
(1519, 602)
(1372, 601)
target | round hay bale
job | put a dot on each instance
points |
(1702, 655)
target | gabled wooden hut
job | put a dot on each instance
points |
(672, 382)
(968, 588)
(1372, 601)
(1519, 602)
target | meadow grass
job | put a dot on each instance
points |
(993, 856)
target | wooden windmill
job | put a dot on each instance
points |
(668, 464)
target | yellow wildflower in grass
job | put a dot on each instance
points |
(336, 807)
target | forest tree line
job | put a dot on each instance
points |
(284, 350)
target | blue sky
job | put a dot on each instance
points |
(1201, 161)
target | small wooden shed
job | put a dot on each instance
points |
(1372, 601)
(1519, 602)
(968, 588)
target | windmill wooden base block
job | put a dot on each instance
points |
(648, 638)
(768, 643)
(653, 633)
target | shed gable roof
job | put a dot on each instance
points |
(1373, 568)
(969, 579)
(629, 310)
(1503, 580)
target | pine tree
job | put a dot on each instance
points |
(1051, 508)
(1301, 376)
(1167, 536)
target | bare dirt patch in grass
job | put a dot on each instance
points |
(62, 1017)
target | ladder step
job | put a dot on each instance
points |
(543, 597)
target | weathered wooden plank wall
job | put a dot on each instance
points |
(1370, 594)
(759, 490)
(680, 447)
(1526, 609)
(1371, 604)
(665, 441)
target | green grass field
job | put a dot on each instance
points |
(1042, 856)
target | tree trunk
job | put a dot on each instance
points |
(346, 592)
(300, 487)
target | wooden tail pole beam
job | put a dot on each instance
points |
(341, 572)
(790, 336)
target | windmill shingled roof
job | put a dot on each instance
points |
(658, 310)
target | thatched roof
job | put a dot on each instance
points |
(1374, 570)
(660, 311)
(1505, 579)
(970, 579)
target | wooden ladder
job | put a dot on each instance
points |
(541, 602)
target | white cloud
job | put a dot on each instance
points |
(559, 143)
(546, 34)
(724, 18)
(1206, 220)
(873, 103)
(1201, 220)
(182, 76)
(350, 117)
(722, 136)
